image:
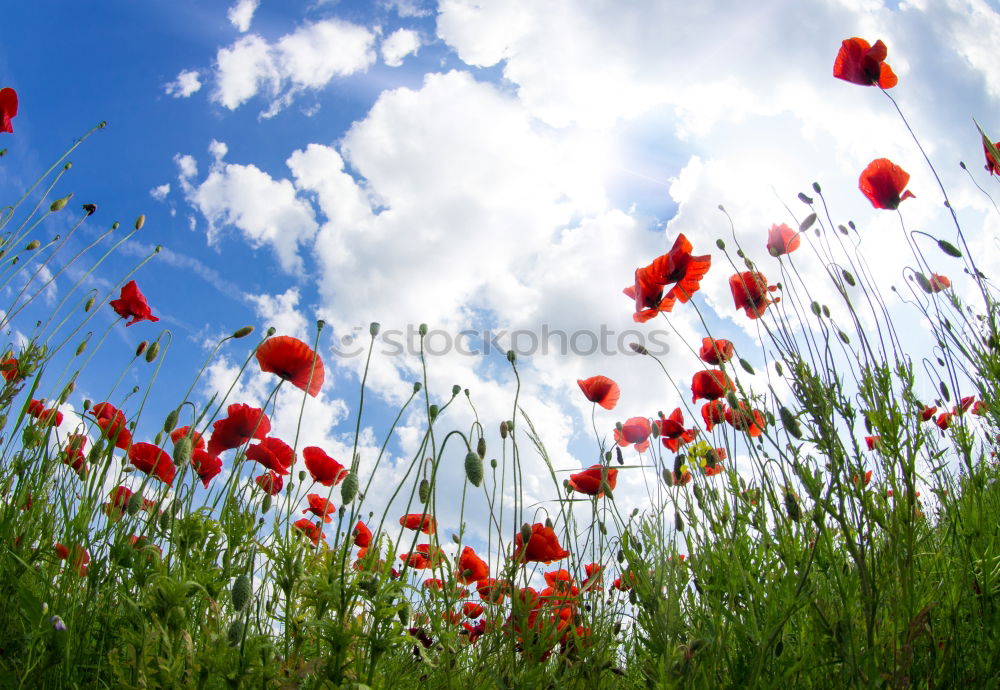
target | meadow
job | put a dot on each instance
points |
(858, 545)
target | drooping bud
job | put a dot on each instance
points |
(525, 533)
(417, 386)
(170, 423)
(792, 506)
(678, 522)
(511, 356)
(235, 634)
(949, 249)
(481, 447)
(424, 490)
(790, 423)
(140, 348)
(242, 332)
(265, 504)
(152, 351)
(503, 429)
(849, 278)
(746, 366)
(349, 489)
(638, 348)
(422, 330)
(90, 209)
(432, 412)
(455, 390)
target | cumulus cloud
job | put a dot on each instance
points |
(398, 45)
(187, 83)
(160, 192)
(241, 14)
(308, 58)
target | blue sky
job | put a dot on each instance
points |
(504, 166)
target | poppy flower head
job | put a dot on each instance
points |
(864, 64)
(272, 453)
(313, 530)
(600, 390)
(152, 460)
(883, 182)
(943, 420)
(589, 481)
(936, 283)
(362, 535)
(242, 424)
(72, 453)
(320, 506)
(9, 369)
(111, 420)
(206, 466)
(471, 568)
(716, 351)
(197, 442)
(8, 108)
(636, 430)
(742, 418)
(292, 360)
(322, 467)
(78, 556)
(594, 572)
(713, 412)
(750, 292)
(672, 432)
(677, 268)
(132, 304)
(492, 590)
(270, 483)
(45, 416)
(472, 609)
(542, 546)
(710, 384)
(927, 413)
(419, 521)
(992, 164)
(781, 239)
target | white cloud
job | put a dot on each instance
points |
(241, 14)
(160, 192)
(398, 45)
(308, 58)
(281, 312)
(186, 84)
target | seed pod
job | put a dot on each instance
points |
(944, 392)
(241, 591)
(618, 455)
(511, 356)
(140, 221)
(134, 504)
(678, 522)
(638, 349)
(152, 351)
(778, 368)
(235, 634)
(816, 309)
(432, 412)
(481, 447)
(182, 450)
(373, 328)
(949, 249)
(60, 204)
(493, 463)
(424, 491)
(805, 199)
(843, 338)
(826, 311)
(349, 489)
(242, 332)
(503, 429)
(455, 390)
(302, 475)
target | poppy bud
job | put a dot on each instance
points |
(638, 349)
(618, 455)
(114, 226)
(182, 450)
(60, 204)
(66, 392)
(816, 309)
(720, 244)
(140, 221)
(31, 246)
(635, 512)
(241, 591)
(807, 222)
(134, 504)
(455, 390)
(422, 330)
(373, 328)
(731, 398)
(481, 447)
(424, 490)
(88, 305)
(81, 347)
(141, 348)
(404, 612)
(548, 522)
(171, 421)
(678, 522)
(792, 506)
(493, 463)
(349, 488)
(944, 392)
(525, 533)
(153, 350)
(843, 337)
(503, 429)
(235, 634)
(265, 503)
(271, 331)
(511, 356)
(804, 199)
(848, 278)
(949, 249)
(826, 311)
(779, 369)
(417, 386)
(746, 366)
(668, 477)
(606, 490)
(242, 332)
(91, 209)
(432, 412)
(302, 475)
(621, 556)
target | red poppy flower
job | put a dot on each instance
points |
(492, 590)
(992, 165)
(472, 609)
(111, 420)
(620, 439)
(713, 412)
(710, 384)
(872, 442)
(937, 283)
(292, 360)
(781, 239)
(322, 467)
(712, 470)
(121, 495)
(80, 558)
(636, 430)
(46, 416)
(422, 557)
(944, 420)
(867, 478)
(927, 413)
(750, 290)
(589, 481)
(153, 461)
(435, 584)
(559, 582)
(10, 370)
(672, 432)
(320, 506)
(8, 108)
(593, 579)
(882, 182)
(980, 408)
(676, 266)
(964, 404)
(198, 443)
(242, 424)
(860, 63)
(419, 521)
(270, 483)
(362, 535)
(542, 547)
(312, 530)
(471, 568)
(272, 453)
(132, 304)
(745, 419)
(72, 453)
(600, 390)
(206, 465)
(716, 351)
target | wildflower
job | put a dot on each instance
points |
(672, 431)
(882, 182)
(292, 360)
(964, 404)
(72, 452)
(242, 424)
(635, 430)
(270, 483)
(419, 521)
(715, 351)
(476, 631)
(936, 283)
(472, 610)
(206, 465)
(153, 461)
(78, 556)
(713, 412)
(676, 267)
(593, 579)
(312, 530)
(712, 470)
(750, 290)
(272, 453)
(197, 442)
(781, 239)
(471, 568)
(45, 416)
(745, 419)
(980, 408)
(320, 506)
(434, 583)
(589, 481)
(542, 545)
(424, 556)
(943, 421)
(56, 621)
(600, 390)
(992, 165)
(492, 590)
(872, 442)
(132, 304)
(322, 467)
(860, 63)
(560, 583)
(867, 478)
(927, 413)
(710, 384)
(9, 369)
(362, 535)
(111, 420)
(8, 108)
